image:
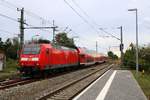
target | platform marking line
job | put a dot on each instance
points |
(105, 89)
(78, 96)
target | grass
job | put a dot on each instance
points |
(144, 82)
(9, 70)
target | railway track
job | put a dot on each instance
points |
(14, 82)
(71, 89)
(5, 84)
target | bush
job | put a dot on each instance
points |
(11, 65)
(144, 58)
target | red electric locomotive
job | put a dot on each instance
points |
(41, 57)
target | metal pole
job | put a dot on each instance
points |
(53, 32)
(121, 44)
(96, 47)
(137, 61)
(137, 65)
(22, 29)
(54, 29)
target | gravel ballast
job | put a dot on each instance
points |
(36, 89)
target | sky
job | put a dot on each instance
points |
(83, 17)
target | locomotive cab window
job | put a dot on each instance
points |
(34, 49)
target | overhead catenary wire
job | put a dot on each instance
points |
(11, 5)
(84, 12)
(82, 17)
(92, 26)
(76, 12)
(8, 3)
(4, 31)
(13, 19)
(7, 32)
(109, 34)
(15, 7)
(70, 30)
(10, 18)
(39, 17)
(49, 22)
(33, 15)
(83, 38)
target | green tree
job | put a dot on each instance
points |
(10, 47)
(63, 40)
(13, 49)
(1, 44)
(129, 56)
(112, 55)
(144, 57)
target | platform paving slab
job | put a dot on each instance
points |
(122, 87)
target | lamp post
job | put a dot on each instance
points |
(137, 62)
(121, 44)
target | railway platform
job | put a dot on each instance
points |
(113, 85)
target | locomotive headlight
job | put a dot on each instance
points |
(35, 59)
(24, 59)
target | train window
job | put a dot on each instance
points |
(31, 50)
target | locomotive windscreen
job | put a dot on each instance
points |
(31, 49)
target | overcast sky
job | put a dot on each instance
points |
(106, 14)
